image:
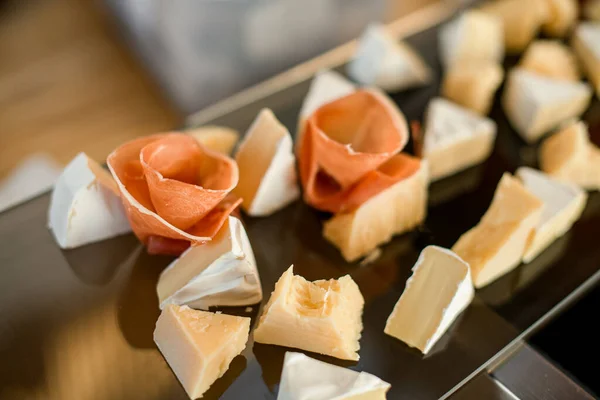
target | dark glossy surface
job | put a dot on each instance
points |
(78, 324)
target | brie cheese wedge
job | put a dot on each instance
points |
(536, 104)
(586, 42)
(472, 84)
(395, 210)
(267, 167)
(439, 289)
(551, 58)
(473, 35)
(221, 272)
(199, 345)
(304, 378)
(563, 205)
(382, 61)
(497, 244)
(562, 16)
(323, 316)
(85, 206)
(455, 138)
(216, 138)
(570, 156)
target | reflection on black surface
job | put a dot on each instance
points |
(451, 187)
(237, 366)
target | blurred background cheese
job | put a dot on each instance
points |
(586, 42)
(551, 58)
(562, 16)
(217, 138)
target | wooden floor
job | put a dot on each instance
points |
(68, 83)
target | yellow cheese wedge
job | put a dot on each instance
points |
(472, 84)
(267, 167)
(321, 316)
(536, 104)
(569, 156)
(217, 138)
(473, 35)
(439, 289)
(591, 10)
(497, 244)
(396, 210)
(304, 378)
(551, 58)
(199, 345)
(521, 20)
(563, 205)
(586, 43)
(561, 18)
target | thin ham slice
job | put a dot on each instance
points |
(350, 151)
(174, 190)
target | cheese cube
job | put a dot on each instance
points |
(562, 16)
(221, 272)
(551, 58)
(395, 210)
(536, 104)
(199, 345)
(473, 35)
(569, 156)
(439, 289)
(563, 205)
(217, 138)
(497, 244)
(382, 61)
(455, 138)
(472, 84)
(586, 43)
(321, 316)
(85, 206)
(267, 167)
(305, 378)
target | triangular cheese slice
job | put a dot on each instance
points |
(85, 206)
(473, 35)
(395, 210)
(304, 378)
(497, 244)
(586, 42)
(217, 138)
(563, 205)
(569, 156)
(221, 272)
(382, 61)
(455, 138)
(551, 58)
(323, 316)
(199, 345)
(536, 104)
(562, 16)
(439, 289)
(472, 84)
(267, 167)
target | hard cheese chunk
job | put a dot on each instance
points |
(497, 244)
(569, 156)
(221, 272)
(267, 167)
(321, 316)
(563, 205)
(439, 289)
(304, 378)
(562, 16)
(395, 210)
(536, 104)
(473, 35)
(198, 345)
(550, 58)
(472, 84)
(586, 42)
(85, 205)
(455, 138)
(386, 63)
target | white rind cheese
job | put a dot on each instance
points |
(304, 378)
(439, 289)
(221, 272)
(386, 63)
(82, 209)
(536, 104)
(455, 138)
(563, 205)
(586, 43)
